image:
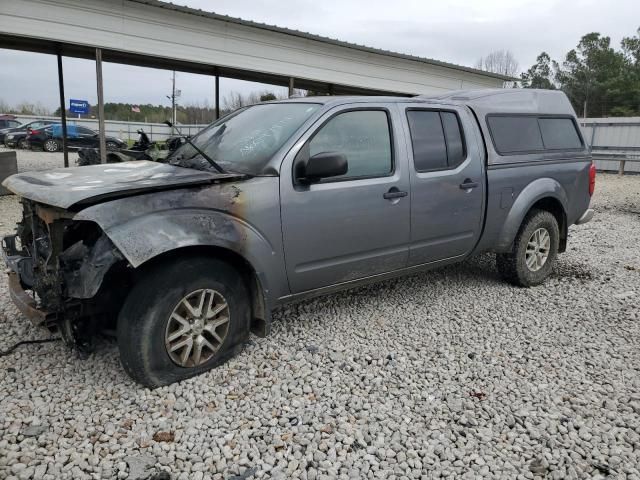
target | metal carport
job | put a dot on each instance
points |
(151, 33)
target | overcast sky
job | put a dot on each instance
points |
(456, 31)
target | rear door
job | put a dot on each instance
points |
(355, 225)
(446, 160)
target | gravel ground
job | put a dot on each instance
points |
(450, 373)
(28, 160)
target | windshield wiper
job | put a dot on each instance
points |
(204, 155)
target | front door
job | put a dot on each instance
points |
(355, 225)
(447, 183)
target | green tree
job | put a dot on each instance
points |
(541, 74)
(627, 92)
(590, 75)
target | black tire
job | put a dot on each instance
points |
(51, 146)
(513, 265)
(21, 144)
(143, 320)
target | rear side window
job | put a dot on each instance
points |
(559, 133)
(436, 138)
(515, 134)
(520, 134)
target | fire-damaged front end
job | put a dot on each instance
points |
(57, 266)
(65, 272)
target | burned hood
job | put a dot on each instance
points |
(81, 186)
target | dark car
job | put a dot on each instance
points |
(7, 122)
(15, 137)
(49, 139)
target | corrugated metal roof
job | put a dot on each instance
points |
(319, 38)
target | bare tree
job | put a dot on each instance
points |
(235, 100)
(499, 61)
(24, 108)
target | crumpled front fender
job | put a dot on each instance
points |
(146, 226)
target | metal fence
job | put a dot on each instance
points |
(124, 130)
(615, 142)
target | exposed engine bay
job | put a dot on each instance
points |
(62, 267)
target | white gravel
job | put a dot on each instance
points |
(447, 374)
(38, 160)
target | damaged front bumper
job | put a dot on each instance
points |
(25, 302)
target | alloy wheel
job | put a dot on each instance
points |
(538, 248)
(197, 328)
(51, 146)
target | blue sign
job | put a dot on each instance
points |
(78, 106)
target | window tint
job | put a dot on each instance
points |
(363, 137)
(453, 135)
(559, 133)
(515, 134)
(13, 123)
(437, 140)
(427, 139)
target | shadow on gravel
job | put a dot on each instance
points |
(480, 269)
(580, 271)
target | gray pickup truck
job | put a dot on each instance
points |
(285, 200)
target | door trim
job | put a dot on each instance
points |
(379, 277)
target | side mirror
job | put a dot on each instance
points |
(323, 165)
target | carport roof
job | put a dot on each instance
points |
(319, 38)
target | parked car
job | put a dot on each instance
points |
(291, 199)
(7, 122)
(14, 137)
(49, 138)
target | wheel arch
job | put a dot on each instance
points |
(260, 310)
(542, 194)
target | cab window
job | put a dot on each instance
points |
(363, 136)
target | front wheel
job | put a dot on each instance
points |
(534, 252)
(181, 319)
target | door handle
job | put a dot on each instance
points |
(394, 193)
(468, 184)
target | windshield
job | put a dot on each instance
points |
(244, 141)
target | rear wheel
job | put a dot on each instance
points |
(21, 144)
(181, 319)
(535, 250)
(51, 145)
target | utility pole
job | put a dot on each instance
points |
(172, 97)
(173, 101)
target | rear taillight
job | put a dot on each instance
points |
(34, 132)
(592, 178)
